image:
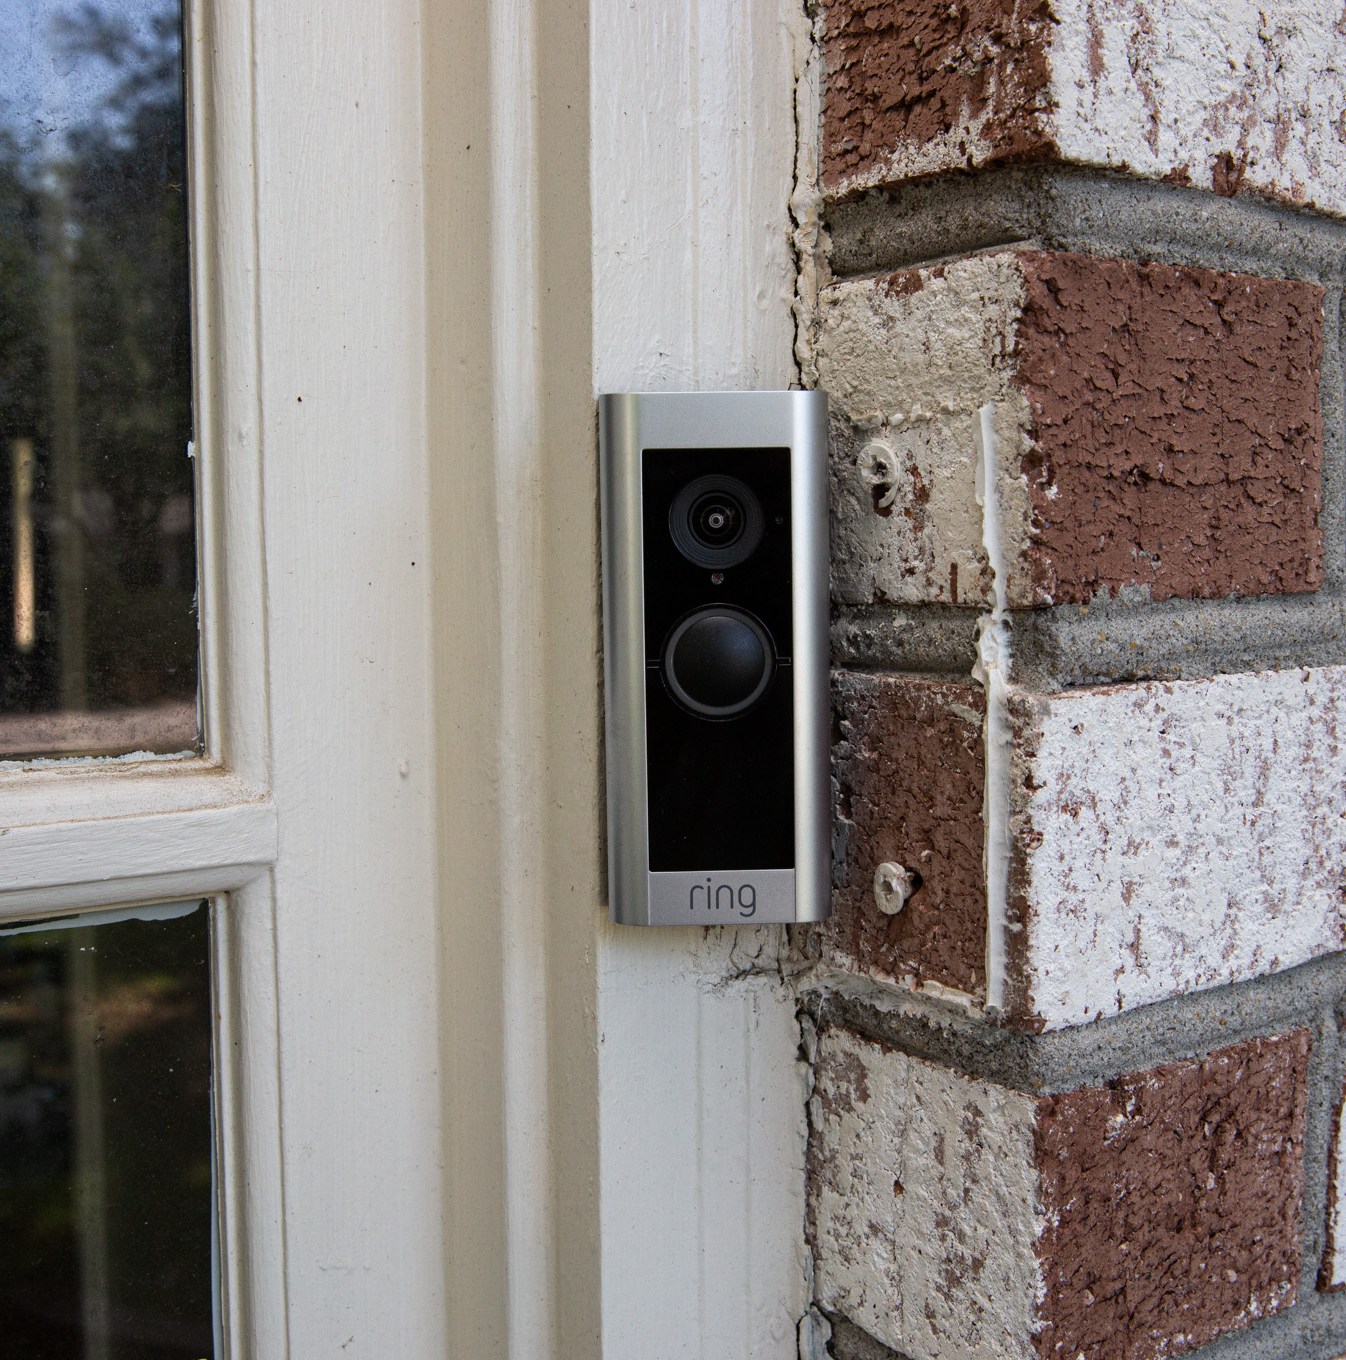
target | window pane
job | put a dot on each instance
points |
(105, 1137)
(98, 639)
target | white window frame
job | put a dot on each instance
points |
(79, 835)
(336, 1183)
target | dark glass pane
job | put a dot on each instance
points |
(98, 638)
(105, 1138)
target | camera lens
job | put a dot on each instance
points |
(716, 521)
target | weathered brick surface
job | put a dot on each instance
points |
(931, 86)
(923, 1203)
(909, 770)
(953, 1218)
(1237, 98)
(1177, 1197)
(1146, 426)
(910, 360)
(1176, 431)
(1171, 837)
(1162, 838)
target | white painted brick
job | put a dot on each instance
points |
(1171, 837)
(1169, 87)
(902, 1148)
(912, 370)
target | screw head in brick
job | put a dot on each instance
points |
(877, 464)
(893, 885)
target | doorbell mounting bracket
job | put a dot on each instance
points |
(715, 593)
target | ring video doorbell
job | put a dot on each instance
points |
(715, 582)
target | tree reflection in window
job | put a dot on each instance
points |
(98, 632)
(106, 1185)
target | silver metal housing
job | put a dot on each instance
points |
(628, 424)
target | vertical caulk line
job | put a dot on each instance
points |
(703, 1210)
(993, 671)
(748, 1027)
(805, 199)
(694, 182)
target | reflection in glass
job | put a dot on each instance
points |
(97, 542)
(105, 1137)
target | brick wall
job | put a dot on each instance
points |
(1076, 1024)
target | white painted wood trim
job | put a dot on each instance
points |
(518, 460)
(250, 1195)
(231, 785)
(225, 271)
(701, 1091)
(335, 148)
(693, 125)
(513, 501)
(87, 791)
(68, 865)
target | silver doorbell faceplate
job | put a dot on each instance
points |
(715, 573)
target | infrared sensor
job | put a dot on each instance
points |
(715, 585)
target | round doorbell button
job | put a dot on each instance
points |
(718, 662)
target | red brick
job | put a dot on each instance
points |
(1153, 832)
(909, 766)
(906, 73)
(1232, 99)
(1177, 435)
(1154, 427)
(1177, 1202)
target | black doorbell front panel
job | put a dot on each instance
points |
(718, 640)
(715, 617)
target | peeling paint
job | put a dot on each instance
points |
(911, 368)
(892, 1174)
(1233, 98)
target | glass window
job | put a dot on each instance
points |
(98, 634)
(106, 1200)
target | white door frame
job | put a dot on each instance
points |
(608, 193)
